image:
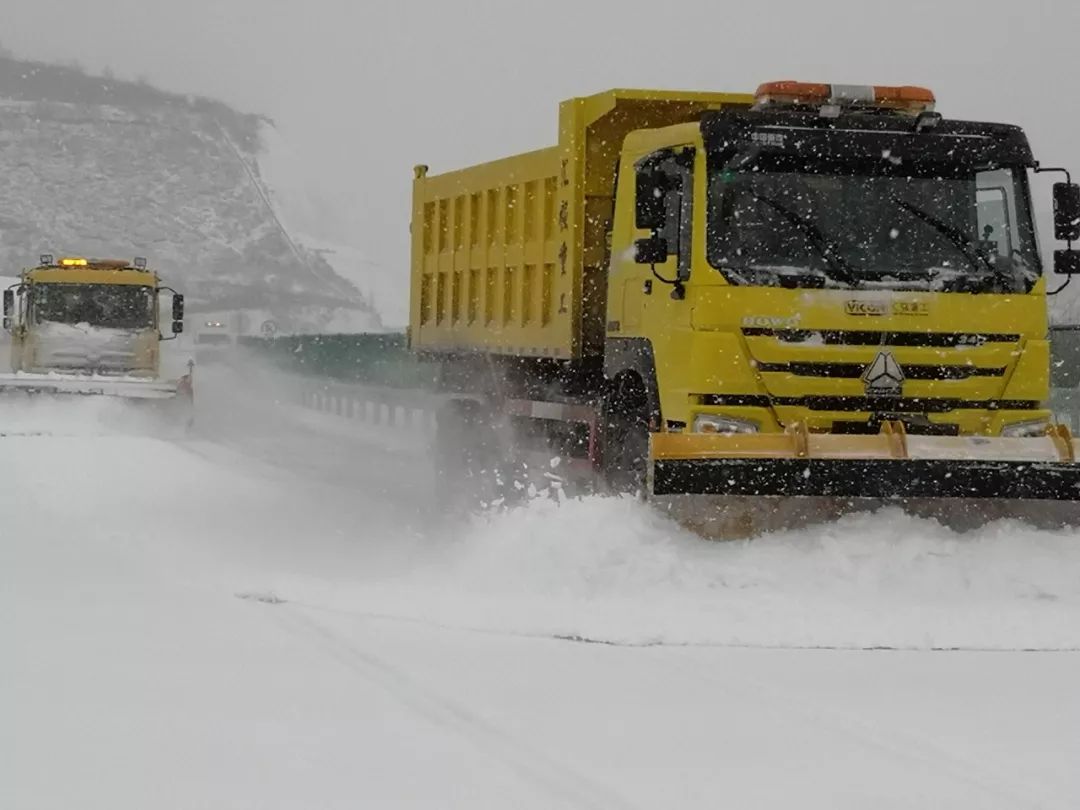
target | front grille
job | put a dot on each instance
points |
(111, 363)
(855, 371)
(872, 404)
(871, 338)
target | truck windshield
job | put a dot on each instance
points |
(822, 227)
(119, 306)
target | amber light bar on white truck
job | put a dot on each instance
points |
(46, 260)
(906, 99)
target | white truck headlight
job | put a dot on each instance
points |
(1032, 427)
(715, 423)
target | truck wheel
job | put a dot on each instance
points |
(626, 436)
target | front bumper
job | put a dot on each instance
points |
(889, 465)
(92, 385)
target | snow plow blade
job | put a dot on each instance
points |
(91, 385)
(761, 482)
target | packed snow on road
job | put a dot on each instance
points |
(269, 613)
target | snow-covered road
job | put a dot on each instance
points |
(270, 615)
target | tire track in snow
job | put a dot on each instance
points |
(571, 638)
(565, 785)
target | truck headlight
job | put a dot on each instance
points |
(1032, 427)
(715, 423)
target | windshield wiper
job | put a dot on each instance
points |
(960, 240)
(842, 271)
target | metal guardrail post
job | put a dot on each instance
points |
(381, 407)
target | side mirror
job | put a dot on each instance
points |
(651, 250)
(649, 209)
(1067, 262)
(1066, 212)
(177, 308)
(177, 327)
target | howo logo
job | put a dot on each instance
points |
(772, 321)
(883, 377)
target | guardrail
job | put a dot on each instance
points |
(395, 408)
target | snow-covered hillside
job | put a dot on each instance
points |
(102, 167)
(271, 614)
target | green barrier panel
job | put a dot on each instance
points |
(373, 359)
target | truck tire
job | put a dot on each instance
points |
(625, 435)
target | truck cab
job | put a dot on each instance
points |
(836, 257)
(88, 316)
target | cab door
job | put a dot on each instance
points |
(663, 206)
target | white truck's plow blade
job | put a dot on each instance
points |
(88, 385)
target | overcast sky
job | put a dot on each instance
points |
(362, 91)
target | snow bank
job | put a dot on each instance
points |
(612, 570)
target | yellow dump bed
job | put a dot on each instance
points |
(508, 257)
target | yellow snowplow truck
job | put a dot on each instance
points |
(91, 326)
(747, 305)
